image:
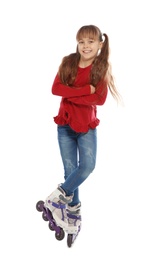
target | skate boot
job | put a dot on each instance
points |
(56, 203)
(47, 216)
(74, 223)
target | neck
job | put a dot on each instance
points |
(84, 64)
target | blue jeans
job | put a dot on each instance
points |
(78, 152)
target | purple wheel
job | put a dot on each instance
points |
(51, 226)
(44, 216)
(69, 240)
(39, 205)
(59, 236)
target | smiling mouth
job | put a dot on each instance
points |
(86, 52)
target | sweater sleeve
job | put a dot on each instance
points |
(98, 98)
(65, 91)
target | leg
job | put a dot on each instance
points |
(67, 140)
(72, 144)
(87, 147)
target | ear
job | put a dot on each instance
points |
(100, 45)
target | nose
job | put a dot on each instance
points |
(85, 44)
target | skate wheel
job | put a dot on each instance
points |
(59, 236)
(69, 240)
(44, 216)
(51, 226)
(39, 205)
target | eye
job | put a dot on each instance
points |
(91, 41)
(80, 42)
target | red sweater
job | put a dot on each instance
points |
(78, 105)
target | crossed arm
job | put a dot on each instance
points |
(85, 95)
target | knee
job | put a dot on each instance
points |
(87, 170)
(90, 166)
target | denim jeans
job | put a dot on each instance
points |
(78, 152)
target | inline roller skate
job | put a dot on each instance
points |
(47, 216)
(74, 223)
(54, 211)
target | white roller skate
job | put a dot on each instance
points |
(56, 203)
(74, 223)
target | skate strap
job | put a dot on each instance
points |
(56, 205)
(73, 216)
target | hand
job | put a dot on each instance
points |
(92, 89)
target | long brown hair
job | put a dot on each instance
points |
(101, 68)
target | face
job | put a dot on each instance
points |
(88, 49)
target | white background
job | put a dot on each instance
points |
(34, 36)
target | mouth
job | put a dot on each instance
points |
(86, 52)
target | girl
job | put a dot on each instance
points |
(83, 80)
